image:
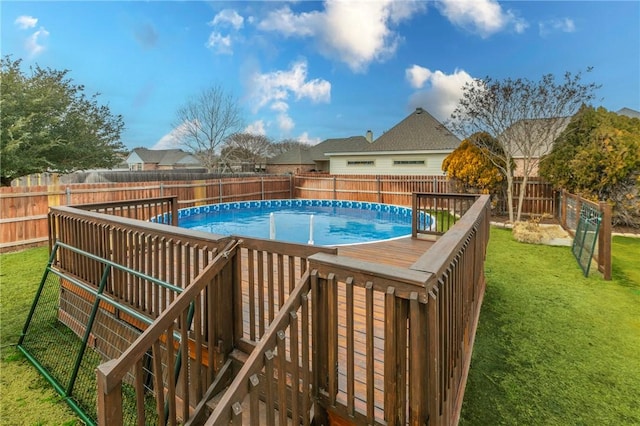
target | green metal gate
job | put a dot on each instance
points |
(65, 337)
(584, 242)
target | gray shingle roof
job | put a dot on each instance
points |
(350, 144)
(165, 157)
(296, 155)
(537, 128)
(629, 112)
(419, 131)
(308, 155)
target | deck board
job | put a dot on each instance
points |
(402, 252)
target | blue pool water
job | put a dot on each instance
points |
(334, 222)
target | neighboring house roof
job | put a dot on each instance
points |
(353, 143)
(296, 155)
(419, 131)
(538, 127)
(311, 154)
(163, 157)
(628, 112)
(178, 157)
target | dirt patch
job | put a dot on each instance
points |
(535, 233)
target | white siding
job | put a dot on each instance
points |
(384, 164)
(134, 158)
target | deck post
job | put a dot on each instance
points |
(414, 215)
(109, 401)
(319, 347)
(174, 210)
(417, 362)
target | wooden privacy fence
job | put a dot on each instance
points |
(379, 189)
(23, 211)
(539, 198)
(571, 207)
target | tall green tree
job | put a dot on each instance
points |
(598, 156)
(48, 123)
(524, 116)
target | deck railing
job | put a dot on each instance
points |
(161, 210)
(277, 373)
(434, 213)
(184, 351)
(375, 344)
(168, 253)
(267, 273)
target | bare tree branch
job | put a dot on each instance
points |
(524, 116)
(206, 121)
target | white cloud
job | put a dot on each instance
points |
(285, 123)
(219, 43)
(33, 43)
(355, 33)
(280, 106)
(485, 17)
(417, 75)
(172, 139)
(565, 25)
(256, 128)
(228, 17)
(304, 138)
(284, 21)
(277, 86)
(25, 22)
(442, 94)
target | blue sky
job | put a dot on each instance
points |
(315, 70)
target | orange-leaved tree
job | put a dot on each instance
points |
(471, 166)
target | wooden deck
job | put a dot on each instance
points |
(402, 252)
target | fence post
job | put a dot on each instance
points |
(379, 189)
(563, 208)
(290, 186)
(262, 188)
(68, 192)
(220, 190)
(335, 189)
(604, 241)
(161, 189)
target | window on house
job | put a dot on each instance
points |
(361, 163)
(409, 162)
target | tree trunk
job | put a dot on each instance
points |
(510, 196)
(523, 188)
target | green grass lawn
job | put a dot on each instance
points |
(26, 397)
(553, 347)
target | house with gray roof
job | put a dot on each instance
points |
(532, 138)
(301, 159)
(632, 113)
(161, 159)
(417, 145)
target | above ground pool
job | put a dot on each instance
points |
(319, 222)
